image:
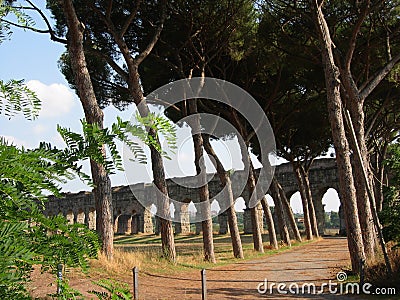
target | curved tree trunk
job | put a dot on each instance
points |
(381, 175)
(251, 188)
(93, 115)
(346, 183)
(371, 198)
(255, 222)
(208, 243)
(157, 166)
(289, 213)
(166, 230)
(226, 182)
(311, 209)
(132, 78)
(284, 232)
(304, 201)
(270, 223)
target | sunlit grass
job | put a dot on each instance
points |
(144, 251)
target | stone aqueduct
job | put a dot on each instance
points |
(131, 217)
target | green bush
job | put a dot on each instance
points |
(390, 214)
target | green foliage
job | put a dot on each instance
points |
(390, 214)
(115, 290)
(16, 256)
(90, 143)
(15, 97)
(67, 293)
(109, 77)
(19, 16)
(332, 219)
(5, 30)
(66, 244)
(216, 33)
(27, 237)
(159, 124)
(27, 174)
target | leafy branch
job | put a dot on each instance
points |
(90, 144)
(15, 97)
(27, 237)
(115, 290)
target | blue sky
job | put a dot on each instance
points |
(33, 57)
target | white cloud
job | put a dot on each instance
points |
(39, 129)
(56, 98)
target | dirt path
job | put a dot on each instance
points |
(315, 263)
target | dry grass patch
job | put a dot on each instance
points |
(377, 275)
(149, 258)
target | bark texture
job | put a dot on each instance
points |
(363, 205)
(371, 199)
(356, 91)
(93, 115)
(270, 223)
(251, 188)
(167, 232)
(157, 166)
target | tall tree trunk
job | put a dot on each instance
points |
(208, 243)
(104, 208)
(363, 205)
(371, 198)
(93, 115)
(289, 212)
(270, 223)
(284, 232)
(311, 209)
(255, 222)
(381, 175)
(226, 182)
(166, 230)
(157, 166)
(346, 183)
(251, 187)
(303, 195)
(356, 97)
(135, 89)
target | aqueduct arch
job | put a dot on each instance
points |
(132, 217)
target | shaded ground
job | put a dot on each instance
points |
(314, 263)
